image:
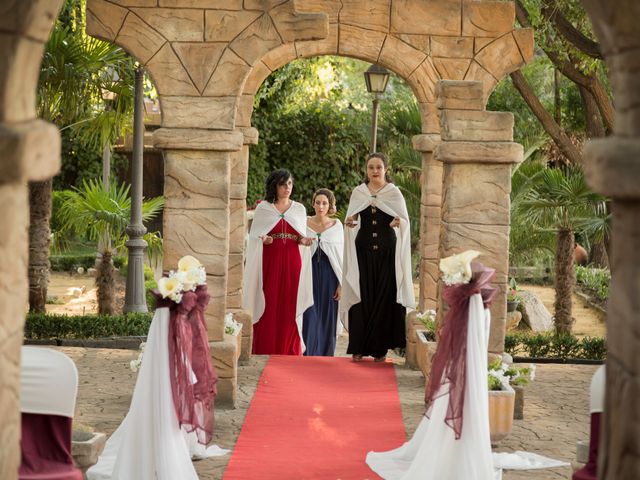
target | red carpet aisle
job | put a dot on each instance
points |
(315, 418)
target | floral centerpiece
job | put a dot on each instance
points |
(231, 327)
(428, 319)
(501, 375)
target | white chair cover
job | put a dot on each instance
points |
(598, 383)
(48, 382)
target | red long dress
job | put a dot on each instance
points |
(276, 333)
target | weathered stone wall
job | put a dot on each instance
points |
(29, 150)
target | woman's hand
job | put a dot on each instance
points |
(338, 294)
(266, 239)
(351, 221)
(395, 222)
(306, 241)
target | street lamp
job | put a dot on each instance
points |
(376, 78)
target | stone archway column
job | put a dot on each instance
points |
(430, 202)
(477, 153)
(196, 222)
(238, 229)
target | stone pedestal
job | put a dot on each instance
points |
(477, 153)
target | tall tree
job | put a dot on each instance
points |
(76, 73)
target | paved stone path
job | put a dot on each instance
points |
(556, 406)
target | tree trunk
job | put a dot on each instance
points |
(599, 257)
(557, 101)
(592, 117)
(106, 283)
(39, 242)
(565, 280)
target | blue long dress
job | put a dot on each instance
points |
(319, 321)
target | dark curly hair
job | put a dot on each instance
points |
(385, 162)
(330, 196)
(275, 178)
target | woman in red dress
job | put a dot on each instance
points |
(277, 288)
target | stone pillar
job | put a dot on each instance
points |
(238, 230)
(612, 166)
(196, 222)
(477, 152)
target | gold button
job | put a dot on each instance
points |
(375, 247)
(374, 234)
(374, 209)
(373, 222)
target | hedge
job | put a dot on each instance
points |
(551, 345)
(66, 263)
(46, 325)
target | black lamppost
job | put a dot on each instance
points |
(376, 78)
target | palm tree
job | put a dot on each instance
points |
(561, 202)
(75, 74)
(102, 214)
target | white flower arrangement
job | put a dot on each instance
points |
(426, 316)
(231, 327)
(135, 365)
(501, 375)
(187, 278)
(456, 269)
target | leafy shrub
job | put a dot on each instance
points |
(44, 325)
(593, 347)
(595, 280)
(550, 345)
(71, 262)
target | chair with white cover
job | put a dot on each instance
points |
(48, 389)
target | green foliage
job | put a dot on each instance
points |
(71, 262)
(595, 280)
(45, 325)
(551, 345)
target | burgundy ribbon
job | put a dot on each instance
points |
(449, 365)
(193, 376)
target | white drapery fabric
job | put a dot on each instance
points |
(265, 217)
(390, 200)
(149, 444)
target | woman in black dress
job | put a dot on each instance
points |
(377, 284)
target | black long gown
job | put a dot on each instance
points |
(376, 324)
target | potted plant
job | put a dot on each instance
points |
(513, 299)
(503, 381)
(426, 341)
(86, 446)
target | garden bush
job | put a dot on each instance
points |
(594, 280)
(71, 262)
(45, 325)
(551, 345)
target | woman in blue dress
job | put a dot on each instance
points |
(320, 321)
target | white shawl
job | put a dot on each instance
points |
(266, 217)
(390, 200)
(331, 243)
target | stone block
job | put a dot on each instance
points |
(214, 314)
(136, 3)
(425, 142)
(169, 75)
(479, 152)
(263, 5)
(225, 360)
(513, 321)
(487, 203)
(325, 46)
(424, 80)
(202, 233)
(477, 126)
(234, 280)
(487, 18)
(459, 95)
(22, 57)
(360, 43)
(198, 139)
(87, 450)
(30, 151)
(498, 318)
(430, 118)
(200, 59)
(524, 39)
(477, 73)
(213, 4)
(32, 19)
(199, 112)
(256, 40)
(419, 42)
(331, 8)
(251, 136)
(452, 47)
(480, 42)
(536, 316)
(452, 68)
(139, 39)
(501, 56)
(256, 77)
(229, 77)
(292, 25)
(245, 110)
(225, 25)
(368, 14)
(174, 24)
(104, 19)
(404, 58)
(432, 17)
(429, 273)
(237, 225)
(195, 180)
(280, 56)
(492, 241)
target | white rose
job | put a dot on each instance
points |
(170, 287)
(187, 263)
(457, 268)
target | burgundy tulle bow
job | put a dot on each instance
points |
(449, 365)
(193, 376)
